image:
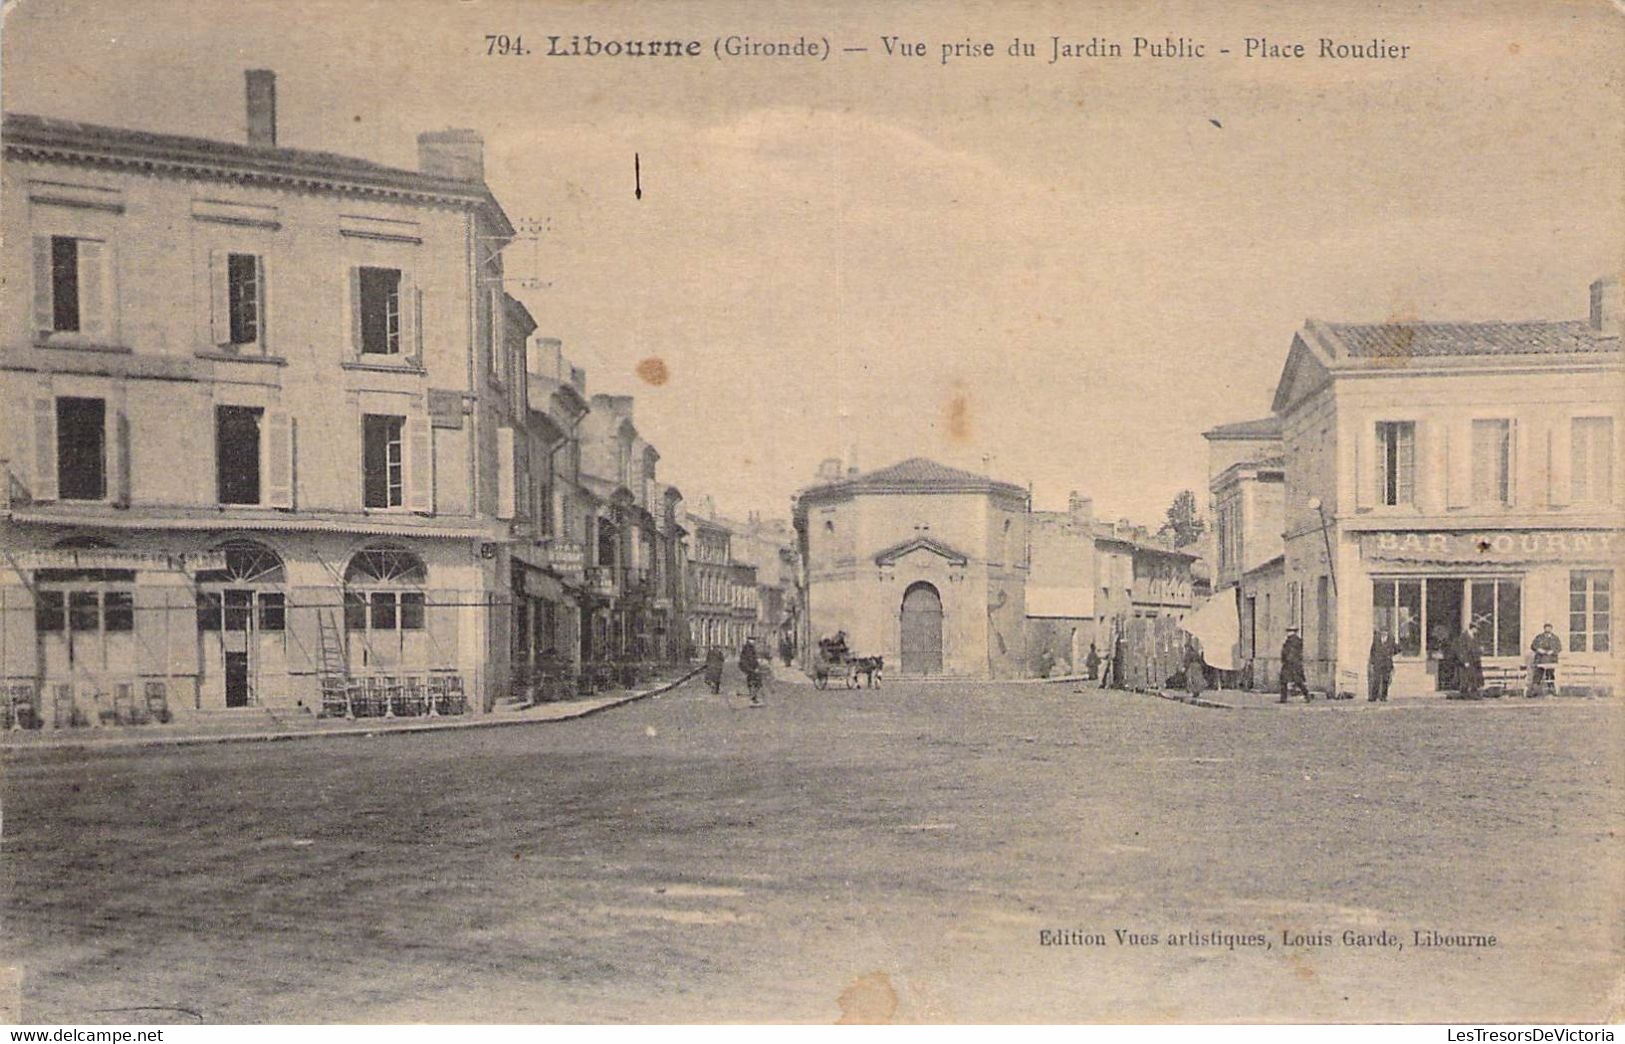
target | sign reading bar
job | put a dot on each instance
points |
(102, 558)
(1494, 547)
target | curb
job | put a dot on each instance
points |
(485, 721)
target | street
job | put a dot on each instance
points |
(873, 854)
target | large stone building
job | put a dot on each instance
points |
(259, 419)
(921, 563)
(1087, 575)
(1247, 485)
(1442, 474)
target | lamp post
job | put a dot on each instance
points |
(1331, 569)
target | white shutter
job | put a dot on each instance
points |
(419, 466)
(505, 473)
(1433, 464)
(44, 463)
(276, 459)
(44, 302)
(352, 308)
(1461, 464)
(95, 290)
(1562, 475)
(1617, 459)
(219, 298)
(1365, 467)
(118, 455)
(411, 306)
(264, 287)
(499, 340)
(1521, 484)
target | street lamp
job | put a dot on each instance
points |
(1331, 568)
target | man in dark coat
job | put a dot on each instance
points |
(1195, 670)
(1091, 663)
(1547, 647)
(1292, 666)
(713, 668)
(1381, 665)
(751, 665)
(1470, 661)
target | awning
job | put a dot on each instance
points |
(1218, 628)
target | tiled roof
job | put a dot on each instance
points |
(917, 474)
(1261, 428)
(111, 144)
(1431, 340)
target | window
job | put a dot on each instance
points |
(1591, 610)
(118, 609)
(50, 612)
(273, 611)
(208, 610)
(383, 610)
(1497, 613)
(84, 611)
(64, 284)
(1591, 455)
(243, 298)
(81, 449)
(383, 466)
(1396, 606)
(1492, 462)
(380, 310)
(237, 454)
(355, 611)
(72, 280)
(1396, 462)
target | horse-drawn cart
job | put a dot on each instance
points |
(839, 668)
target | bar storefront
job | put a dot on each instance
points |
(1427, 586)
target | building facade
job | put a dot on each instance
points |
(1247, 487)
(1441, 475)
(254, 403)
(921, 563)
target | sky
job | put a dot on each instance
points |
(1056, 274)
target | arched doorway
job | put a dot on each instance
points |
(241, 617)
(922, 630)
(385, 609)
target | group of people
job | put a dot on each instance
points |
(1461, 664)
(750, 665)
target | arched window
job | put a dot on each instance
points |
(392, 600)
(228, 599)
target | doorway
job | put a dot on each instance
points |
(922, 630)
(1444, 620)
(237, 679)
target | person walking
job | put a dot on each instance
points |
(713, 668)
(1547, 648)
(751, 665)
(1380, 665)
(1195, 670)
(1292, 666)
(1091, 663)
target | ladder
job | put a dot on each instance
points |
(333, 664)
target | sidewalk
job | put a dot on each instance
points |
(297, 725)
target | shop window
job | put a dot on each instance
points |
(383, 461)
(1591, 610)
(238, 608)
(412, 610)
(1591, 459)
(355, 612)
(50, 612)
(273, 611)
(84, 611)
(1397, 607)
(209, 610)
(1497, 614)
(1396, 462)
(237, 454)
(81, 449)
(118, 608)
(382, 616)
(1492, 462)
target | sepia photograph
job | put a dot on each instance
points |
(955, 512)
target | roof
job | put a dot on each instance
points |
(1439, 339)
(205, 157)
(915, 475)
(1261, 428)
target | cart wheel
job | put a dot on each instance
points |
(821, 681)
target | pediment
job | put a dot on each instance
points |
(936, 547)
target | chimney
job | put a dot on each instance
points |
(546, 356)
(261, 92)
(1081, 508)
(457, 153)
(829, 469)
(1605, 306)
